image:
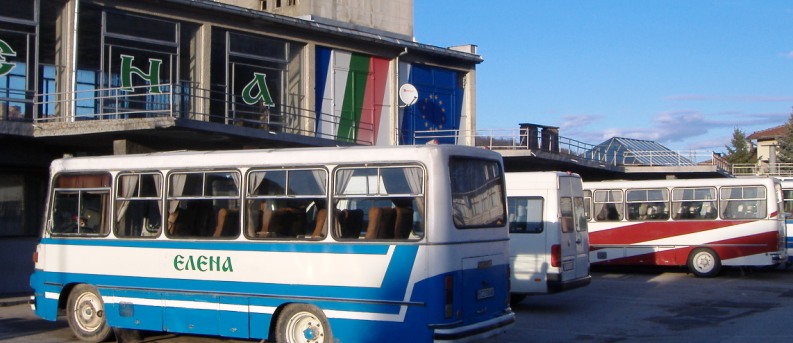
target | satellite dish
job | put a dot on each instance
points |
(408, 94)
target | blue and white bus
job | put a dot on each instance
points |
(352, 244)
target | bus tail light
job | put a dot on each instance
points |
(35, 257)
(556, 255)
(449, 308)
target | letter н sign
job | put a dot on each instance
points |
(153, 76)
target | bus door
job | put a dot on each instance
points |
(574, 242)
(787, 196)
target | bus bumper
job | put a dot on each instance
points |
(474, 332)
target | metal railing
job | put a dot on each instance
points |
(518, 139)
(186, 101)
(762, 169)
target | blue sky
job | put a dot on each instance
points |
(684, 73)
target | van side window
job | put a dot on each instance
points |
(525, 214)
(80, 205)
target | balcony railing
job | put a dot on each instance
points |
(186, 101)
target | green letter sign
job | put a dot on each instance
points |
(153, 76)
(5, 50)
(264, 94)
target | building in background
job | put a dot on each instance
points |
(88, 77)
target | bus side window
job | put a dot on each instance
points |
(379, 203)
(608, 212)
(80, 205)
(138, 205)
(287, 204)
(203, 204)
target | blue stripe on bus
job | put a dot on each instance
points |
(393, 286)
(268, 246)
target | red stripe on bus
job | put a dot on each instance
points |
(726, 249)
(649, 231)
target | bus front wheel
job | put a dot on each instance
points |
(704, 262)
(302, 323)
(86, 314)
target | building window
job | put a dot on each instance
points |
(256, 82)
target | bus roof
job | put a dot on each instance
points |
(265, 157)
(680, 182)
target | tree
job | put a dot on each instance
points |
(740, 151)
(784, 151)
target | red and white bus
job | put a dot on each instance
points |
(703, 224)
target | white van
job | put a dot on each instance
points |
(549, 242)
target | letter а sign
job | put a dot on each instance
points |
(256, 91)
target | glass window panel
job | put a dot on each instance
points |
(305, 182)
(525, 214)
(258, 46)
(363, 181)
(193, 185)
(150, 185)
(269, 182)
(141, 27)
(477, 193)
(221, 185)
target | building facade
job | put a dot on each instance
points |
(89, 77)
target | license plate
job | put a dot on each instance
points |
(484, 293)
(567, 265)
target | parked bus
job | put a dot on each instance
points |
(549, 242)
(700, 223)
(787, 196)
(351, 244)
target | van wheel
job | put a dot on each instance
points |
(86, 314)
(302, 323)
(704, 262)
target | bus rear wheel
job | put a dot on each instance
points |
(302, 323)
(704, 262)
(86, 314)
